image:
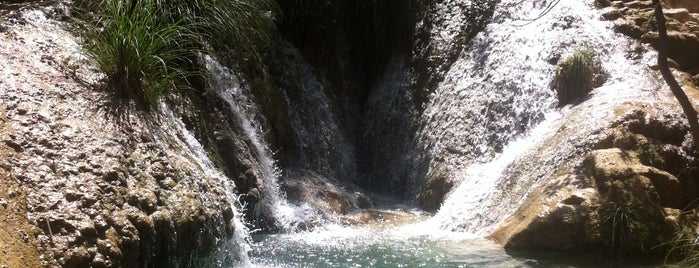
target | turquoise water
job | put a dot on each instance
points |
(295, 251)
(374, 246)
(413, 245)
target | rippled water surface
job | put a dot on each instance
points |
(389, 245)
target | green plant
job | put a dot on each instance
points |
(650, 24)
(147, 48)
(618, 224)
(686, 249)
(144, 50)
(244, 25)
(574, 78)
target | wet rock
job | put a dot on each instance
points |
(88, 231)
(628, 176)
(435, 189)
(77, 257)
(557, 217)
(611, 13)
(328, 196)
(629, 28)
(603, 3)
(690, 5)
(682, 47)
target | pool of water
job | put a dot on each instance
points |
(397, 245)
(369, 246)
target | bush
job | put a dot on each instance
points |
(142, 50)
(147, 48)
(575, 77)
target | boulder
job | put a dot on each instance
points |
(567, 215)
(435, 189)
(679, 14)
(683, 47)
(328, 197)
(691, 5)
(610, 166)
(554, 218)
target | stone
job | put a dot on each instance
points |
(611, 13)
(77, 257)
(680, 14)
(690, 5)
(629, 29)
(639, 4)
(668, 187)
(683, 48)
(434, 191)
(602, 3)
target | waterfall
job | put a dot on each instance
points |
(175, 127)
(495, 106)
(273, 201)
(472, 203)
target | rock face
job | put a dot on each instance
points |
(622, 200)
(692, 6)
(104, 188)
(636, 20)
(17, 234)
(395, 110)
(435, 189)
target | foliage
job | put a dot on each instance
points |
(650, 24)
(618, 226)
(239, 24)
(574, 78)
(631, 228)
(142, 50)
(685, 247)
(149, 47)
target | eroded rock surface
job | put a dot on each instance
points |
(104, 188)
(629, 181)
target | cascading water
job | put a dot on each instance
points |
(174, 127)
(493, 113)
(273, 201)
(499, 89)
(470, 205)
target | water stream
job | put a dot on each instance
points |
(493, 108)
(273, 201)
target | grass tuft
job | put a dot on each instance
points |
(148, 48)
(575, 77)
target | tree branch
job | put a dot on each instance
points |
(675, 87)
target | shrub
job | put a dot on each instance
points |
(575, 77)
(142, 50)
(684, 249)
(617, 230)
(243, 25)
(147, 48)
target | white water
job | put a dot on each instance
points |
(493, 108)
(273, 200)
(498, 91)
(470, 206)
(194, 150)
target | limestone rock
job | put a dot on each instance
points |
(691, 5)
(611, 166)
(330, 198)
(683, 47)
(562, 222)
(435, 189)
